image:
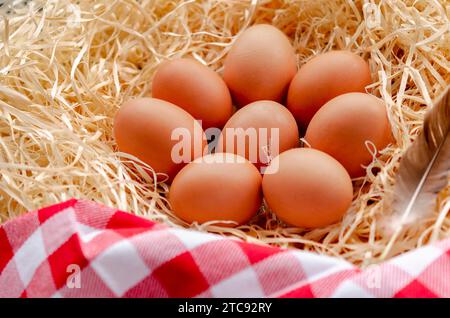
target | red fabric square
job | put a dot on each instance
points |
(181, 277)
(415, 290)
(20, 229)
(68, 254)
(301, 292)
(256, 253)
(279, 272)
(91, 285)
(128, 233)
(327, 285)
(169, 246)
(436, 276)
(6, 251)
(121, 220)
(99, 243)
(214, 264)
(46, 213)
(10, 277)
(150, 287)
(93, 214)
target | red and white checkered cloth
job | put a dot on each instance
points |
(83, 249)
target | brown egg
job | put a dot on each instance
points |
(195, 88)
(307, 188)
(323, 78)
(159, 133)
(342, 127)
(219, 186)
(260, 65)
(260, 131)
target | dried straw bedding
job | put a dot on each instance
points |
(64, 73)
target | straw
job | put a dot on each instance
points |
(66, 69)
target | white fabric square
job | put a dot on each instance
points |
(120, 267)
(243, 284)
(316, 266)
(417, 261)
(349, 289)
(58, 229)
(192, 239)
(87, 233)
(30, 256)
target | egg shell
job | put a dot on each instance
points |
(342, 127)
(323, 78)
(260, 65)
(219, 186)
(260, 117)
(143, 127)
(307, 188)
(195, 88)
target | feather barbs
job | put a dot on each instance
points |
(423, 171)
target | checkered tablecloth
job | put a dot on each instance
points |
(83, 249)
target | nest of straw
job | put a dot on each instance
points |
(65, 70)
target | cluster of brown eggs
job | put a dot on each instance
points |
(256, 151)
